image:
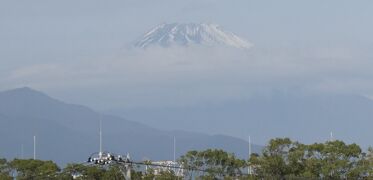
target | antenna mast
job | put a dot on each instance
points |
(100, 152)
(34, 147)
(21, 151)
(249, 146)
(249, 168)
(174, 149)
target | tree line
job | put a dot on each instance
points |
(281, 158)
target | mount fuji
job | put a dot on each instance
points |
(187, 34)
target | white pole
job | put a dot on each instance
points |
(174, 163)
(249, 168)
(249, 146)
(21, 151)
(174, 149)
(100, 153)
(331, 136)
(34, 147)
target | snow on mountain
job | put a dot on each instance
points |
(166, 35)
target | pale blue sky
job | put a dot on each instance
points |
(67, 48)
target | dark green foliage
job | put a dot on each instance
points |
(166, 175)
(91, 172)
(215, 163)
(5, 170)
(281, 158)
(136, 175)
(34, 169)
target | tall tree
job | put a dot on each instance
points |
(333, 159)
(35, 169)
(79, 171)
(5, 170)
(214, 163)
(280, 158)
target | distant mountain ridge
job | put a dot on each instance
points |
(69, 133)
(186, 34)
(305, 117)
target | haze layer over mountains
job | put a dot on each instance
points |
(70, 133)
(260, 68)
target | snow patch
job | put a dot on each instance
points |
(166, 35)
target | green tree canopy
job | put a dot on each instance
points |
(35, 169)
(283, 158)
(213, 163)
(5, 170)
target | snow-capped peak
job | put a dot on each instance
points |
(166, 35)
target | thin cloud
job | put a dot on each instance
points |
(202, 74)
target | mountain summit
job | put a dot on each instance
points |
(166, 35)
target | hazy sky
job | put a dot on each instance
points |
(78, 50)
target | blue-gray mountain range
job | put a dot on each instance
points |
(70, 133)
(304, 117)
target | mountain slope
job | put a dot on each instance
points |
(69, 133)
(307, 118)
(166, 35)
